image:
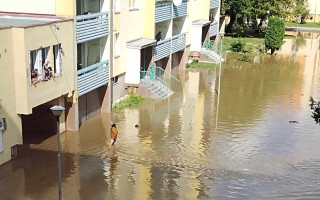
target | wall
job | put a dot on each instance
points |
(29, 6)
(44, 36)
(12, 135)
(148, 18)
(65, 8)
(133, 67)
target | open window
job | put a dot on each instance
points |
(36, 60)
(57, 57)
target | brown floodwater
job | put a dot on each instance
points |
(197, 144)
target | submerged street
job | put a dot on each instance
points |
(197, 144)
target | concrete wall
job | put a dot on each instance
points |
(133, 67)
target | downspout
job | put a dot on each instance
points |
(111, 55)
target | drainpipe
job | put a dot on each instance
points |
(111, 55)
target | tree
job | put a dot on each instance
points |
(315, 107)
(301, 9)
(274, 34)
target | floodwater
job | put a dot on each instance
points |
(197, 144)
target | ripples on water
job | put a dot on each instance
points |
(188, 147)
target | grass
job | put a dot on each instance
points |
(254, 44)
(131, 100)
(307, 24)
(198, 64)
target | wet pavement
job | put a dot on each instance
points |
(197, 144)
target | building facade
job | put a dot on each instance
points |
(150, 40)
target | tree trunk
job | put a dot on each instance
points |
(232, 21)
(272, 51)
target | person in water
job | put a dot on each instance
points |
(113, 134)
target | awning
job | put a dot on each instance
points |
(141, 43)
(201, 22)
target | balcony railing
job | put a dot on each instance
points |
(92, 26)
(162, 49)
(178, 42)
(163, 12)
(213, 28)
(165, 48)
(167, 11)
(179, 11)
(214, 4)
(92, 77)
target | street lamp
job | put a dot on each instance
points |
(57, 111)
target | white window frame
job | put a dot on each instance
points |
(116, 45)
(133, 4)
(57, 56)
(117, 6)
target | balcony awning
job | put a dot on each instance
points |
(201, 22)
(141, 43)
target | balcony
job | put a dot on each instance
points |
(214, 4)
(163, 11)
(92, 26)
(92, 77)
(179, 11)
(178, 42)
(213, 28)
(165, 48)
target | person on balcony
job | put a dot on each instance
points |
(34, 76)
(46, 69)
(158, 36)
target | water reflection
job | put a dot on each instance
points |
(185, 149)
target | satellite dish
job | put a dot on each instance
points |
(177, 2)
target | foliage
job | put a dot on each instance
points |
(239, 10)
(315, 107)
(237, 46)
(131, 100)
(245, 57)
(274, 34)
(197, 64)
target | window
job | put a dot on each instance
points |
(133, 4)
(115, 80)
(36, 60)
(117, 45)
(117, 6)
(57, 56)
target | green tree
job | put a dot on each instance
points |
(274, 34)
(301, 9)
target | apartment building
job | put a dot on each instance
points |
(31, 36)
(151, 41)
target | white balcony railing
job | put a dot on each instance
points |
(165, 48)
(92, 77)
(92, 26)
(214, 4)
(213, 28)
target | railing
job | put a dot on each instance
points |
(208, 44)
(163, 11)
(162, 49)
(179, 11)
(214, 4)
(92, 26)
(92, 77)
(160, 74)
(178, 42)
(166, 47)
(213, 28)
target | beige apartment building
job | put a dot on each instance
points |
(85, 76)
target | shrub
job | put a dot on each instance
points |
(315, 107)
(245, 57)
(274, 34)
(237, 46)
(132, 99)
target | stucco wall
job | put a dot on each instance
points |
(12, 135)
(47, 36)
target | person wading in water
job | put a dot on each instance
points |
(113, 134)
